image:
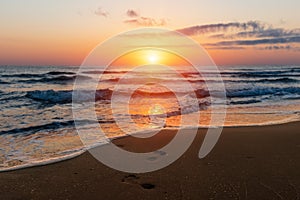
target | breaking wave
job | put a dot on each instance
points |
(66, 96)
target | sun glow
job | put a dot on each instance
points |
(149, 57)
(156, 110)
(153, 58)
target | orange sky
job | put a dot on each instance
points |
(65, 32)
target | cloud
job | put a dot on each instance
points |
(137, 20)
(238, 35)
(101, 12)
(268, 33)
(275, 47)
(271, 32)
(222, 27)
(146, 21)
(132, 13)
(226, 48)
(239, 30)
(280, 40)
(279, 47)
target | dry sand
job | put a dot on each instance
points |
(247, 163)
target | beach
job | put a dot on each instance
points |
(146, 100)
(246, 163)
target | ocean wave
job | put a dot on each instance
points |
(67, 78)
(261, 91)
(6, 96)
(200, 93)
(186, 109)
(69, 96)
(60, 73)
(111, 80)
(294, 69)
(197, 81)
(266, 74)
(201, 81)
(33, 129)
(247, 72)
(252, 101)
(42, 77)
(4, 82)
(153, 93)
(283, 80)
(104, 72)
(292, 97)
(264, 80)
(50, 126)
(31, 75)
(69, 154)
(22, 75)
(66, 96)
(57, 79)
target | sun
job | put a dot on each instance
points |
(152, 58)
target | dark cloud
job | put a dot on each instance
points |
(146, 21)
(101, 12)
(271, 32)
(267, 33)
(222, 27)
(280, 40)
(274, 47)
(132, 13)
(279, 47)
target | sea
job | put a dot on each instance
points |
(36, 111)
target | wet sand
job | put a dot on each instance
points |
(246, 163)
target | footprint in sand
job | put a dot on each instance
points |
(147, 186)
(130, 179)
(134, 180)
(156, 156)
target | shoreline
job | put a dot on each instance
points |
(247, 162)
(76, 154)
(79, 153)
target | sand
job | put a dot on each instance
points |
(247, 163)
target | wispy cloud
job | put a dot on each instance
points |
(280, 40)
(221, 27)
(137, 20)
(280, 47)
(101, 12)
(225, 48)
(275, 47)
(271, 32)
(132, 13)
(146, 21)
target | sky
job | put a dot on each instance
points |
(234, 32)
